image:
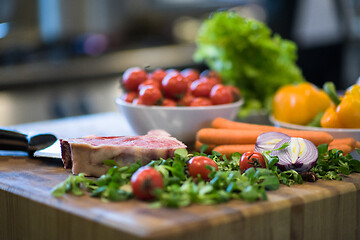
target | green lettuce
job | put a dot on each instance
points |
(246, 54)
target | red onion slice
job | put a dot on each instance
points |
(300, 155)
(268, 140)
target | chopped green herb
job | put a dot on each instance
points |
(332, 163)
(227, 183)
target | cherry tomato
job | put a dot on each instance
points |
(158, 75)
(221, 94)
(144, 181)
(174, 85)
(201, 87)
(211, 74)
(149, 82)
(236, 93)
(251, 159)
(132, 78)
(149, 95)
(197, 165)
(212, 81)
(190, 74)
(187, 99)
(136, 101)
(200, 102)
(171, 70)
(167, 102)
(129, 96)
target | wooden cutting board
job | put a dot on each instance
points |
(321, 210)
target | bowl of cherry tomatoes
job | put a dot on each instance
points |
(179, 102)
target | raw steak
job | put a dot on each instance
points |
(87, 155)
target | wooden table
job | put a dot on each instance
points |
(321, 210)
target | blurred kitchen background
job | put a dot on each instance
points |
(61, 58)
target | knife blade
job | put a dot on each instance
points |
(16, 141)
(53, 151)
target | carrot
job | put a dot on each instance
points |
(317, 137)
(357, 144)
(226, 136)
(344, 147)
(237, 136)
(198, 144)
(227, 124)
(227, 150)
(348, 141)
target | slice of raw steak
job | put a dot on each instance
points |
(87, 155)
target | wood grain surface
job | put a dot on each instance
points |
(321, 210)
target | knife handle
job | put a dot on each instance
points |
(13, 140)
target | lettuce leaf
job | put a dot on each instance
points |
(246, 54)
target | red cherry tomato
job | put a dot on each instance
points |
(212, 81)
(149, 95)
(187, 99)
(136, 101)
(200, 102)
(158, 75)
(211, 74)
(174, 85)
(167, 102)
(190, 74)
(236, 93)
(149, 82)
(197, 165)
(221, 94)
(132, 78)
(144, 181)
(201, 87)
(251, 159)
(129, 96)
(171, 70)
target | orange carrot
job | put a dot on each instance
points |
(226, 136)
(227, 150)
(237, 136)
(227, 124)
(198, 144)
(317, 137)
(348, 141)
(344, 147)
(357, 144)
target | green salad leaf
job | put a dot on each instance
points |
(180, 189)
(246, 54)
(332, 163)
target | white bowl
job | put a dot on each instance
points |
(181, 122)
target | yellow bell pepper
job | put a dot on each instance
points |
(346, 111)
(353, 90)
(299, 104)
(330, 118)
